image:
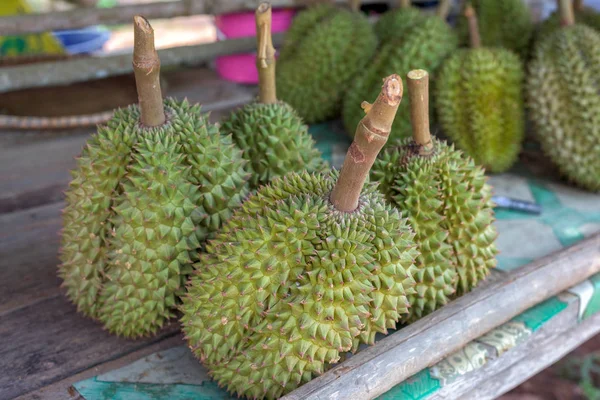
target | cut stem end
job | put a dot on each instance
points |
(371, 135)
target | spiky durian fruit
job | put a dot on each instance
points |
(306, 270)
(445, 197)
(273, 136)
(562, 95)
(479, 102)
(324, 48)
(504, 23)
(425, 44)
(393, 24)
(149, 186)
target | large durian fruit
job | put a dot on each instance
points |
(479, 102)
(502, 23)
(426, 43)
(324, 49)
(311, 266)
(396, 22)
(270, 132)
(583, 15)
(148, 188)
(444, 195)
(563, 96)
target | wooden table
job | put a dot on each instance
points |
(46, 347)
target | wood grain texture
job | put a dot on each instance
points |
(29, 243)
(63, 390)
(377, 369)
(540, 355)
(49, 341)
(565, 321)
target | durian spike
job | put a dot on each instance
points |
(443, 9)
(567, 17)
(471, 15)
(371, 135)
(146, 67)
(418, 92)
(405, 3)
(265, 60)
(355, 5)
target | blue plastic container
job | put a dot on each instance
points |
(83, 41)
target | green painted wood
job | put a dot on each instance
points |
(594, 304)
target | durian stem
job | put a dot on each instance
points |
(355, 5)
(443, 9)
(578, 5)
(567, 17)
(146, 67)
(265, 59)
(418, 92)
(405, 3)
(473, 26)
(371, 135)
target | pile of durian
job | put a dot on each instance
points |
(278, 265)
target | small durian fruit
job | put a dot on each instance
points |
(444, 195)
(502, 23)
(148, 188)
(583, 15)
(479, 102)
(273, 137)
(564, 101)
(324, 49)
(425, 44)
(308, 268)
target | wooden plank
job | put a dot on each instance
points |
(81, 17)
(377, 369)
(541, 354)
(565, 321)
(62, 390)
(49, 341)
(29, 242)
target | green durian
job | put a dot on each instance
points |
(148, 188)
(502, 23)
(426, 44)
(444, 195)
(479, 103)
(583, 15)
(274, 138)
(306, 270)
(564, 102)
(393, 24)
(324, 49)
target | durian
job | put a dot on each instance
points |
(426, 43)
(563, 95)
(583, 15)
(306, 270)
(395, 23)
(274, 138)
(324, 49)
(479, 102)
(446, 199)
(502, 23)
(148, 188)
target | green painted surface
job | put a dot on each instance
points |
(92, 389)
(594, 305)
(417, 387)
(535, 317)
(510, 263)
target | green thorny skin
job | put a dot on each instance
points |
(562, 95)
(140, 203)
(448, 204)
(480, 105)
(502, 23)
(424, 44)
(274, 139)
(290, 283)
(324, 49)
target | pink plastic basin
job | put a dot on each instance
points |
(241, 68)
